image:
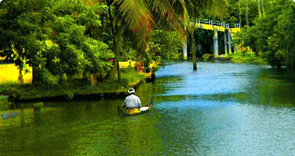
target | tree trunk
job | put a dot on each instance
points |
(118, 41)
(118, 44)
(246, 13)
(240, 13)
(109, 3)
(258, 8)
(193, 39)
(20, 76)
(262, 8)
(102, 27)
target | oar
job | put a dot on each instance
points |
(121, 113)
(151, 102)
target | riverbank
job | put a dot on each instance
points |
(249, 57)
(238, 57)
(73, 89)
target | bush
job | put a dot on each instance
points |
(69, 96)
(249, 57)
(4, 103)
(206, 57)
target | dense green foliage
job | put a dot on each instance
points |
(248, 57)
(68, 89)
(170, 44)
(51, 37)
(273, 34)
(66, 38)
(4, 103)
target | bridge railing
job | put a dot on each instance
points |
(217, 23)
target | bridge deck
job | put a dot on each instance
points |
(215, 27)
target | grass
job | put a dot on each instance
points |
(249, 57)
(69, 88)
(4, 103)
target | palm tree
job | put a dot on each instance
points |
(140, 17)
(211, 7)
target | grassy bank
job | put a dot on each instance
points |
(249, 57)
(70, 89)
(4, 103)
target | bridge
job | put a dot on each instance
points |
(216, 26)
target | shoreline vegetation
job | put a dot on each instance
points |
(72, 89)
(59, 39)
(239, 57)
(80, 89)
(248, 57)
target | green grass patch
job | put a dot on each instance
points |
(206, 57)
(251, 58)
(131, 75)
(4, 103)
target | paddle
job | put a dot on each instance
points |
(151, 101)
(121, 113)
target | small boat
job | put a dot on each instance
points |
(135, 111)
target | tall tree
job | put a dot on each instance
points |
(240, 12)
(246, 12)
(213, 8)
(140, 17)
(262, 8)
(52, 38)
(258, 7)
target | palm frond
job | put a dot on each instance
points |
(91, 2)
(211, 7)
(136, 15)
(170, 14)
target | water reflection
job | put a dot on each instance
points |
(221, 109)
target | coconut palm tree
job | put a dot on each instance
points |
(141, 16)
(210, 7)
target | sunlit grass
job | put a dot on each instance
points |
(248, 57)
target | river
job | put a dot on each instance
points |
(222, 109)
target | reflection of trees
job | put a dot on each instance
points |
(140, 135)
(160, 85)
(275, 90)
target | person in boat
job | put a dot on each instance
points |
(132, 102)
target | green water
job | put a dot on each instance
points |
(222, 109)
